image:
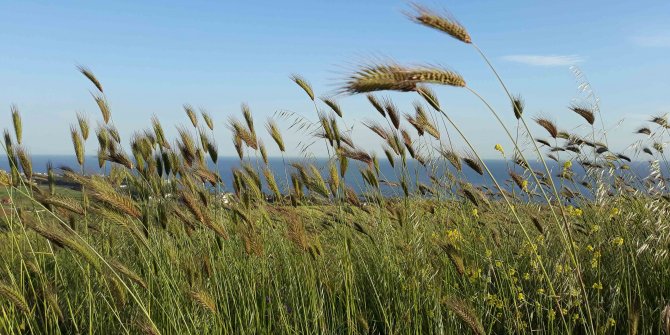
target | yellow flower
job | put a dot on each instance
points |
(552, 315)
(617, 241)
(453, 235)
(598, 286)
(526, 276)
(499, 148)
(475, 213)
(589, 248)
(498, 264)
(520, 297)
(614, 212)
(524, 185)
(540, 291)
(567, 165)
(611, 322)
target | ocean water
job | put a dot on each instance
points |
(282, 170)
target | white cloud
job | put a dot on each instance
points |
(661, 40)
(544, 60)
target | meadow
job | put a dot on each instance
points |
(571, 240)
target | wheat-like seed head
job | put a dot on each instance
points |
(518, 106)
(466, 314)
(208, 119)
(474, 164)
(548, 125)
(88, 74)
(78, 144)
(304, 85)
(273, 129)
(585, 112)
(442, 22)
(103, 106)
(394, 77)
(18, 128)
(333, 105)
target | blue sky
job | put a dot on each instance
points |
(154, 56)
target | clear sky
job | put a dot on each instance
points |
(154, 56)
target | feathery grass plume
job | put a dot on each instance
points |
(427, 94)
(26, 162)
(244, 134)
(474, 164)
(334, 180)
(442, 22)
(18, 127)
(466, 314)
(253, 175)
(658, 146)
(453, 158)
(272, 183)
(103, 106)
(197, 210)
(208, 119)
(248, 119)
(548, 125)
(585, 112)
(83, 125)
(407, 140)
(661, 120)
(333, 105)
(212, 150)
(356, 154)
(455, 257)
(375, 103)
(264, 154)
(205, 300)
(158, 132)
(207, 175)
(191, 115)
(336, 131)
(88, 74)
(518, 106)
(392, 112)
(114, 134)
(417, 126)
(425, 122)
(78, 144)
(15, 297)
(237, 142)
(60, 238)
(51, 178)
(303, 84)
(57, 201)
(273, 129)
(344, 164)
(644, 130)
(543, 142)
(623, 157)
(393, 77)
(377, 128)
(389, 156)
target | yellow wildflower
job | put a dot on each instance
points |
(598, 285)
(617, 241)
(611, 322)
(567, 165)
(524, 185)
(520, 297)
(499, 148)
(475, 213)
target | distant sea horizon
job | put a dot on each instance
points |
(281, 169)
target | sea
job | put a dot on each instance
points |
(281, 168)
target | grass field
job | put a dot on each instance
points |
(156, 246)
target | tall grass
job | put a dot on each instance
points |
(156, 244)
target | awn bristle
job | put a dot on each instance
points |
(333, 105)
(442, 22)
